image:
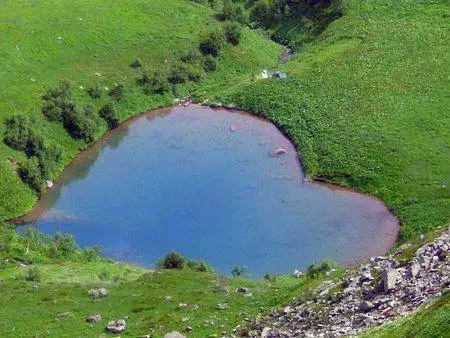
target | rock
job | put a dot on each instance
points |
(390, 278)
(414, 269)
(193, 307)
(366, 306)
(297, 274)
(222, 306)
(233, 128)
(94, 319)
(116, 326)
(98, 293)
(424, 261)
(287, 310)
(49, 184)
(241, 290)
(402, 248)
(182, 306)
(265, 332)
(187, 329)
(247, 295)
(64, 314)
(168, 298)
(278, 152)
(174, 334)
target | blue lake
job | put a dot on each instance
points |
(206, 183)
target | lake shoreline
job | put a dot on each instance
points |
(394, 225)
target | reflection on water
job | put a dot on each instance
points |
(204, 182)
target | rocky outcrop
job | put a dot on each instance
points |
(375, 293)
(98, 293)
(116, 326)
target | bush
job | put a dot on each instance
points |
(94, 92)
(81, 125)
(61, 93)
(157, 85)
(108, 113)
(172, 260)
(30, 173)
(33, 275)
(213, 43)
(237, 271)
(104, 275)
(49, 158)
(63, 244)
(52, 111)
(137, 63)
(315, 271)
(145, 79)
(6, 235)
(91, 253)
(233, 33)
(35, 144)
(199, 266)
(190, 55)
(17, 132)
(117, 92)
(178, 74)
(270, 277)
(209, 63)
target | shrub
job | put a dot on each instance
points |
(237, 271)
(199, 266)
(190, 55)
(64, 243)
(6, 235)
(178, 74)
(209, 63)
(270, 277)
(233, 33)
(117, 92)
(94, 92)
(315, 271)
(172, 260)
(81, 125)
(137, 63)
(145, 79)
(91, 253)
(33, 275)
(17, 132)
(48, 159)
(29, 173)
(104, 275)
(52, 111)
(157, 85)
(108, 113)
(62, 93)
(35, 144)
(213, 43)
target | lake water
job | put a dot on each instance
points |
(204, 182)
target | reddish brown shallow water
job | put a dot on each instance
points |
(203, 182)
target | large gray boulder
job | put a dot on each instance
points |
(390, 279)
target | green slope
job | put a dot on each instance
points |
(367, 106)
(43, 42)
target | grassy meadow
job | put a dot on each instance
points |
(367, 105)
(93, 43)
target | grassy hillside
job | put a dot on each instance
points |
(92, 43)
(367, 105)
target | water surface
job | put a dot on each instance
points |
(203, 182)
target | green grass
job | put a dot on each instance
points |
(139, 297)
(44, 42)
(367, 106)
